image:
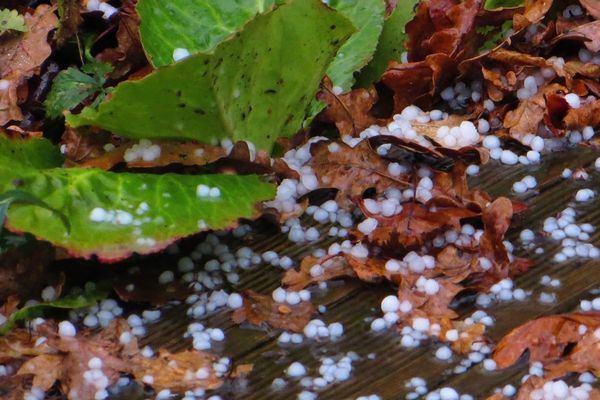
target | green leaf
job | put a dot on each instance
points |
(391, 42)
(21, 197)
(196, 25)
(367, 17)
(74, 301)
(115, 214)
(492, 4)
(254, 87)
(10, 20)
(71, 86)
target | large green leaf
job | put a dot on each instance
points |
(367, 17)
(142, 213)
(254, 87)
(195, 25)
(391, 43)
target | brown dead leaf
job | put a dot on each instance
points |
(592, 7)
(413, 225)
(526, 118)
(64, 360)
(443, 27)
(591, 33)
(545, 338)
(535, 11)
(586, 115)
(259, 309)
(349, 111)
(24, 270)
(333, 268)
(177, 372)
(512, 58)
(129, 55)
(496, 221)
(87, 151)
(21, 57)
(417, 82)
(351, 170)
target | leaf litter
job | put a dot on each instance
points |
(384, 166)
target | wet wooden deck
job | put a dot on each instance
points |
(385, 366)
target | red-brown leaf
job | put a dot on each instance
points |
(259, 309)
(545, 338)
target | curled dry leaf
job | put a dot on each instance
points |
(259, 309)
(589, 33)
(351, 170)
(129, 55)
(349, 111)
(528, 115)
(545, 338)
(413, 225)
(534, 11)
(586, 115)
(64, 360)
(592, 7)
(417, 82)
(177, 372)
(21, 57)
(446, 27)
(333, 268)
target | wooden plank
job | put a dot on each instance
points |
(385, 366)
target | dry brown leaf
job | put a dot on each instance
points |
(64, 360)
(586, 115)
(417, 82)
(351, 170)
(349, 111)
(590, 32)
(333, 268)
(535, 11)
(443, 27)
(259, 309)
(526, 118)
(177, 372)
(129, 55)
(512, 58)
(545, 338)
(592, 7)
(21, 57)
(413, 225)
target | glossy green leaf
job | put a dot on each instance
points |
(254, 87)
(195, 25)
(21, 197)
(10, 20)
(391, 42)
(69, 302)
(367, 17)
(114, 214)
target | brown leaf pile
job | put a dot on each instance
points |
(43, 358)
